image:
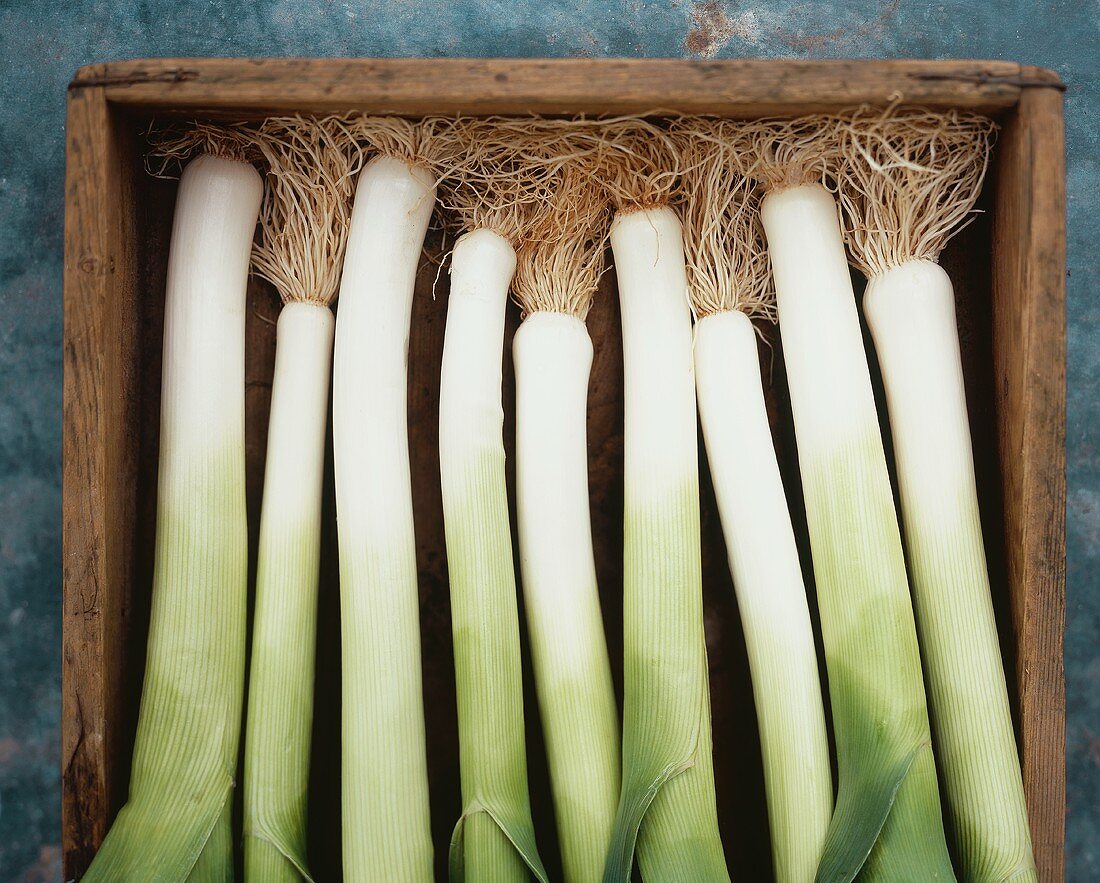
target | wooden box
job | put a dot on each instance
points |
(1009, 272)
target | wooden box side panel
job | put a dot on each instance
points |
(98, 470)
(416, 86)
(1029, 360)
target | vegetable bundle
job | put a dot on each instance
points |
(717, 230)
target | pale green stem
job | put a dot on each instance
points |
(495, 839)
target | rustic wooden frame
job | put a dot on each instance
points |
(101, 382)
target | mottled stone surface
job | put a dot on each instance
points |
(43, 42)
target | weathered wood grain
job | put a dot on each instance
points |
(741, 88)
(1029, 360)
(98, 457)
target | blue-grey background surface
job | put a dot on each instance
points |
(43, 41)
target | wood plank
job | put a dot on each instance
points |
(1029, 358)
(742, 88)
(97, 503)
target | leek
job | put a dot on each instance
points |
(729, 283)
(555, 282)
(667, 803)
(888, 803)
(176, 823)
(304, 226)
(494, 839)
(386, 821)
(910, 181)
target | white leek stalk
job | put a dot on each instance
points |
(771, 596)
(176, 824)
(304, 227)
(729, 282)
(557, 278)
(912, 180)
(667, 804)
(386, 833)
(494, 839)
(888, 800)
